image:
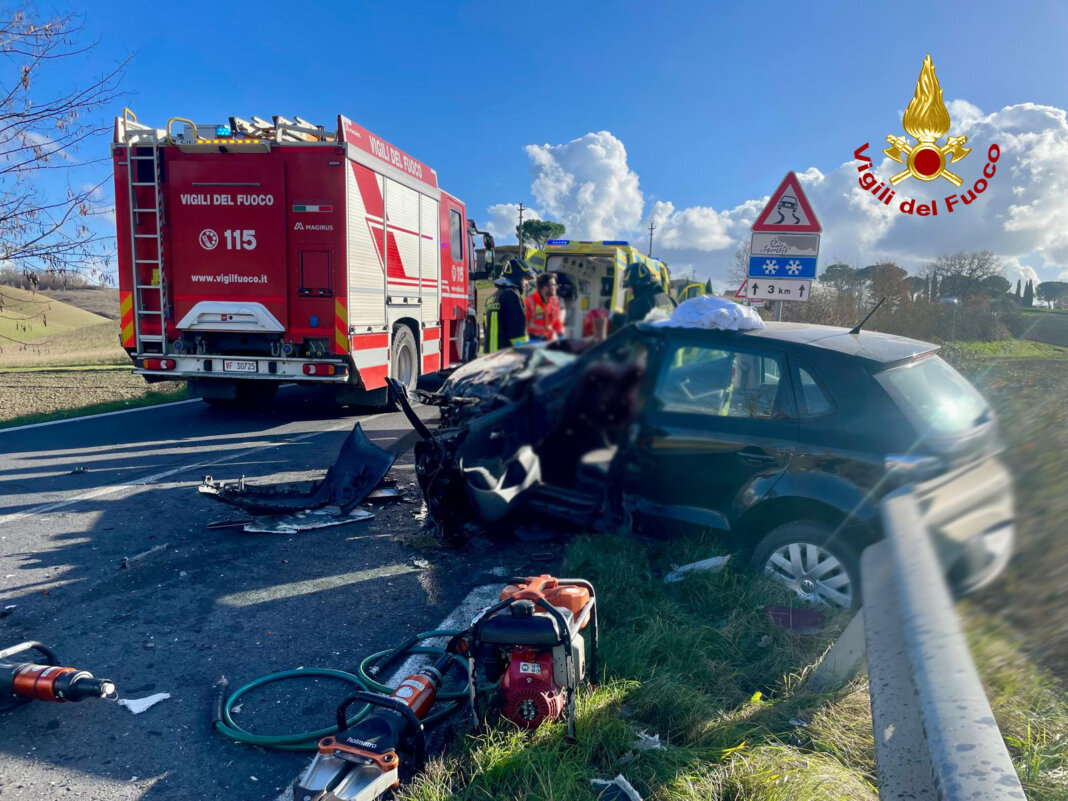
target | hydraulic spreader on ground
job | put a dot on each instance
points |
(22, 681)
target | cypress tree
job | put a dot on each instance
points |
(1029, 295)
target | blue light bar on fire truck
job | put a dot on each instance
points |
(558, 242)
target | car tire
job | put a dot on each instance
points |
(404, 362)
(806, 558)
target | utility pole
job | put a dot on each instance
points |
(652, 227)
(519, 231)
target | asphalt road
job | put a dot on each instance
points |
(211, 603)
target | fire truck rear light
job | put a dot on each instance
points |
(320, 369)
(158, 364)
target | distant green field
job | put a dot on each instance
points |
(26, 316)
(1007, 349)
(97, 344)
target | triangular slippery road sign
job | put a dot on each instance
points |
(788, 210)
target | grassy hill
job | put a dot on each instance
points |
(102, 300)
(38, 330)
(1047, 325)
(27, 316)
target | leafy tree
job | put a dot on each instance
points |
(886, 280)
(1019, 290)
(708, 287)
(1052, 292)
(840, 276)
(49, 106)
(1029, 295)
(538, 232)
(995, 285)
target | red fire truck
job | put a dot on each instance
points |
(252, 253)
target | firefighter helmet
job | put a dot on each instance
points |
(638, 274)
(514, 272)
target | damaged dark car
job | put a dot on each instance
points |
(782, 440)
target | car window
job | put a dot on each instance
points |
(720, 382)
(937, 398)
(810, 397)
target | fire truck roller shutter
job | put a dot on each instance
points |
(430, 260)
(364, 232)
(402, 246)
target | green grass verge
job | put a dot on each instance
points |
(150, 398)
(699, 664)
(1007, 349)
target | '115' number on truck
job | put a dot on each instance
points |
(240, 240)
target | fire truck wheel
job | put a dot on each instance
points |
(405, 362)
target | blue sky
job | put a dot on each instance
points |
(712, 103)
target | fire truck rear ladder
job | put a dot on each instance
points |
(157, 342)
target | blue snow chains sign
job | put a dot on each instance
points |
(782, 267)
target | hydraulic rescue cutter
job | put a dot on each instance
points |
(22, 681)
(525, 655)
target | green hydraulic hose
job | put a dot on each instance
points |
(308, 741)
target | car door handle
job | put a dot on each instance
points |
(756, 457)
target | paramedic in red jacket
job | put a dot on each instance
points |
(543, 310)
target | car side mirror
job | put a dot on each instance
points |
(487, 241)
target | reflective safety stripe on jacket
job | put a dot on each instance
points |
(505, 321)
(543, 317)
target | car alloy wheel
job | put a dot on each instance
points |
(813, 572)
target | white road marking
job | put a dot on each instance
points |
(459, 618)
(97, 416)
(156, 477)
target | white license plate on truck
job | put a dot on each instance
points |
(236, 366)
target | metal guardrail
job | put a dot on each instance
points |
(935, 735)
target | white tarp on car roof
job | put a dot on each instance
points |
(708, 311)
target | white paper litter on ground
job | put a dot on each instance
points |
(618, 788)
(680, 572)
(647, 742)
(306, 521)
(709, 311)
(139, 705)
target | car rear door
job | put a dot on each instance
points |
(716, 433)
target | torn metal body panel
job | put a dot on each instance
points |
(496, 380)
(543, 438)
(359, 468)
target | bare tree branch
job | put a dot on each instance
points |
(46, 222)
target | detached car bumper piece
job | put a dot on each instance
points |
(359, 468)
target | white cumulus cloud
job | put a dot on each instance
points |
(1022, 215)
(504, 217)
(587, 185)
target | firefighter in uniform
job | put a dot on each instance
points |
(506, 320)
(543, 310)
(648, 293)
